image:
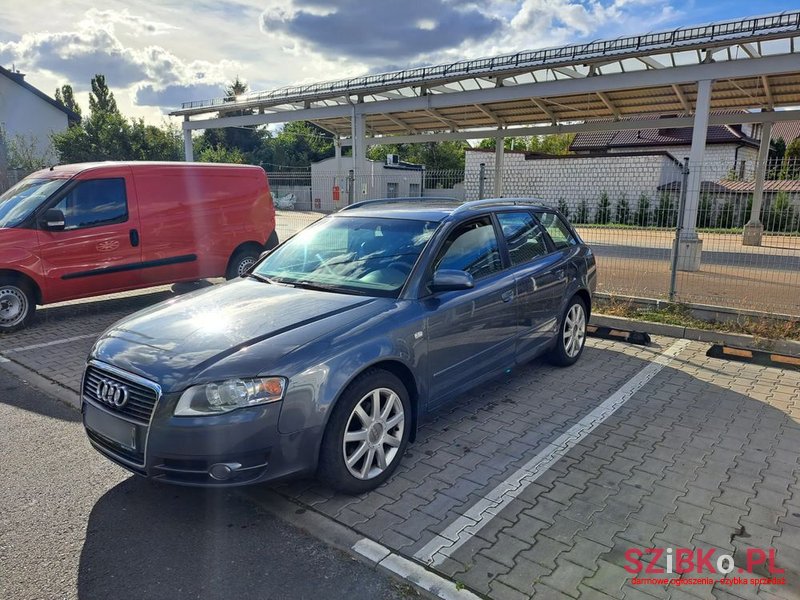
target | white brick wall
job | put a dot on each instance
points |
(573, 179)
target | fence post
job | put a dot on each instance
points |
(481, 178)
(676, 242)
(350, 186)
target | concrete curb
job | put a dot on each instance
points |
(789, 347)
(48, 386)
(427, 583)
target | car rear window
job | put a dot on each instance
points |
(557, 230)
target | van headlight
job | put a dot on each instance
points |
(225, 396)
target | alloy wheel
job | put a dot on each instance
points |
(373, 434)
(574, 330)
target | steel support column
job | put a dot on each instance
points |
(690, 247)
(499, 155)
(754, 229)
(188, 148)
(358, 131)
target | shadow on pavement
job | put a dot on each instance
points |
(146, 540)
(14, 392)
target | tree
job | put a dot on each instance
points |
(107, 135)
(665, 215)
(603, 213)
(705, 212)
(563, 207)
(221, 154)
(66, 97)
(781, 214)
(582, 216)
(248, 140)
(791, 161)
(623, 211)
(642, 215)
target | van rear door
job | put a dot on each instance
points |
(99, 248)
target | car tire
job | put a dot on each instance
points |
(17, 304)
(241, 261)
(272, 241)
(371, 434)
(571, 338)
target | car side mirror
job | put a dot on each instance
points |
(53, 220)
(447, 280)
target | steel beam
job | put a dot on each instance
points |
(689, 74)
(625, 124)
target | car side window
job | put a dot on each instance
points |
(524, 236)
(557, 230)
(473, 248)
(95, 202)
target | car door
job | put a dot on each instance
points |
(98, 249)
(538, 280)
(470, 332)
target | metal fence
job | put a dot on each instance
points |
(628, 209)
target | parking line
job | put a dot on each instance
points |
(481, 513)
(52, 343)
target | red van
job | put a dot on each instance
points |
(95, 228)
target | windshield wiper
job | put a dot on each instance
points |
(327, 288)
(264, 279)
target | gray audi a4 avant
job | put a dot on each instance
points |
(326, 356)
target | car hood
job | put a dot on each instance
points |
(173, 341)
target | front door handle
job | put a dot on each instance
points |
(507, 296)
(560, 274)
(134, 234)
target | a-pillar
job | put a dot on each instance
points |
(188, 149)
(689, 245)
(754, 229)
(499, 155)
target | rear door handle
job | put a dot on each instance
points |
(134, 235)
(507, 296)
(559, 274)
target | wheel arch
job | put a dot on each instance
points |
(22, 277)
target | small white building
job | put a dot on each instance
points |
(332, 186)
(29, 113)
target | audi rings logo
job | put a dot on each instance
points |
(112, 393)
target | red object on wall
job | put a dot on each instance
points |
(336, 193)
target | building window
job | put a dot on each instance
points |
(413, 190)
(391, 189)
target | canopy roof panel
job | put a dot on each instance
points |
(753, 63)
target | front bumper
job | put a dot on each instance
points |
(240, 448)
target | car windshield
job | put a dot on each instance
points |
(356, 255)
(18, 202)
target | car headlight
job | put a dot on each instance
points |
(225, 396)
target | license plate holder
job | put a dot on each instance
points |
(109, 426)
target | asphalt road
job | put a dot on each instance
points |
(710, 257)
(72, 525)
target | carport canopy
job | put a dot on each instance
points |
(744, 71)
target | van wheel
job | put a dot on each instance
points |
(241, 261)
(17, 305)
(568, 345)
(367, 433)
(272, 241)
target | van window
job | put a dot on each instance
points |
(95, 202)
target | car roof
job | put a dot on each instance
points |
(429, 208)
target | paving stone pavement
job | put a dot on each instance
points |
(704, 456)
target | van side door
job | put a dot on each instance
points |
(98, 250)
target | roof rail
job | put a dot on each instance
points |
(476, 204)
(378, 201)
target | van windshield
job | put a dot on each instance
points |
(18, 202)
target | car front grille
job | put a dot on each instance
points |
(141, 398)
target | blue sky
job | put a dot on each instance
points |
(157, 54)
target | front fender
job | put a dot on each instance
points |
(313, 392)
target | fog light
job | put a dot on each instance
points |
(223, 471)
